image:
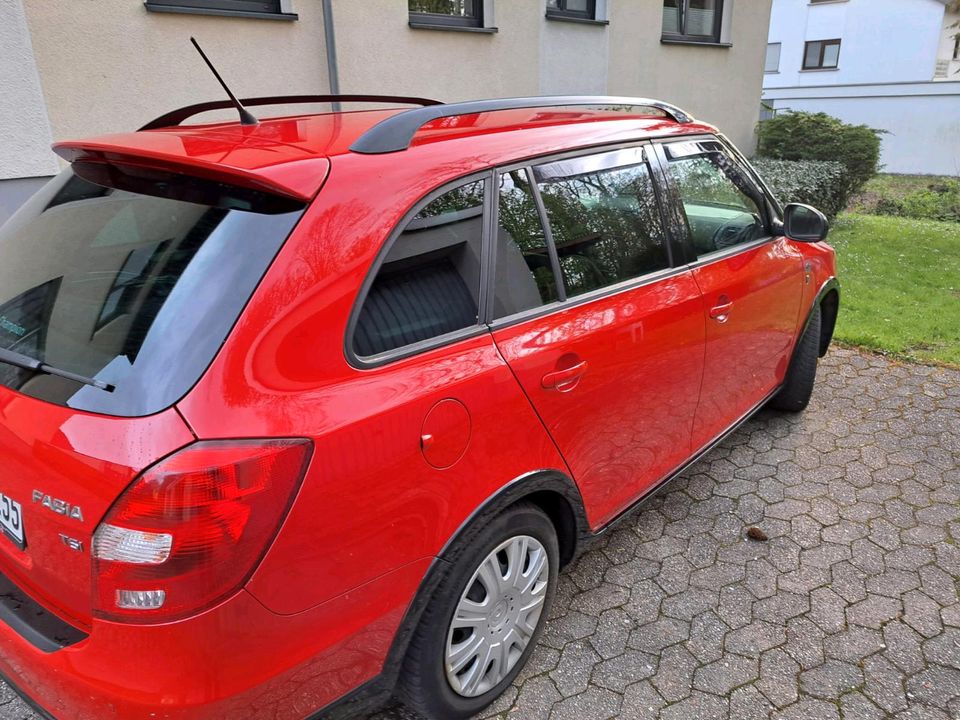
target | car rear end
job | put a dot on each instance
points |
(126, 541)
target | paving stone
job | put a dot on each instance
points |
(641, 701)
(699, 706)
(675, 673)
(722, 676)
(883, 683)
(809, 710)
(778, 677)
(748, 703)
(626, 669)
(573, 670)
(854, 644)
(831, 680)
(855, 706)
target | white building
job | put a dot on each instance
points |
(890, 64)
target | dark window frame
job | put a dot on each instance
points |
(824, 44)
(427, 19)
(256, 9)
(685, 37)
(373, 361)
(562, 11)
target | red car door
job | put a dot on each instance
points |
(612, 355)
(751, 281)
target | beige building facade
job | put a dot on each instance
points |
(84, 67)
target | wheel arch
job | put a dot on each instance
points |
(829, 300)
(553, 491)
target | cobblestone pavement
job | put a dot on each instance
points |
(850, 610)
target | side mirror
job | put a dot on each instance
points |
(804, 223)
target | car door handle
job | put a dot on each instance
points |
(566, 379)
(721, 311)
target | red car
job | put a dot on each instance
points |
(298, 415)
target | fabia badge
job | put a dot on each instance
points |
(60, 507)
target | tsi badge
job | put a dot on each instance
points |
(60, 507)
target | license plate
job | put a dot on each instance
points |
(11, 520)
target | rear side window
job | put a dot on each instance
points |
(604, 218)
(429, 283)
(134, 280)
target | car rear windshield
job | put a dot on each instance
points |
(131, 277)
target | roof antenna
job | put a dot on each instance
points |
(246, 118)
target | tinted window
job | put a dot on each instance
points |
(136, 289)
(721, 204)
(604, 218)
(429, 283)
(524, 275)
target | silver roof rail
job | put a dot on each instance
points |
(397, 132)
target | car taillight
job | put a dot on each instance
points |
(191, 530)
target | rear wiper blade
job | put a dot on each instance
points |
(26, 362)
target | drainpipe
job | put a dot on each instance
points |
(330, 41)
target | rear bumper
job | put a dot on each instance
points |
(237, 660)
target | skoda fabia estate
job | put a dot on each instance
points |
(300, 415)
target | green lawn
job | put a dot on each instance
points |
(891, 186)
(900, 281)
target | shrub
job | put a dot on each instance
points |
(819, 183)
(818, 136)
(939, 200)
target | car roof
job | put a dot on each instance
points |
(291, 155)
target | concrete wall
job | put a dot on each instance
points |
(24, 127)
(379, 53)
(110, 65)
(99, 66)
(720, 85)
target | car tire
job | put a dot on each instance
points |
(431, 682)
(797, 388)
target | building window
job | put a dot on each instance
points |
(772, 63)
(580, 9)
(692, 20)
(271, 9)
(455, 13)
(821, 55)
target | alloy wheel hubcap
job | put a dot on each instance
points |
(497, 616)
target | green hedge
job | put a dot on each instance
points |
(818, 136)
(822, 184)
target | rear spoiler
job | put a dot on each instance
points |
(298, 180)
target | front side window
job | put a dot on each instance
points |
(429, 283)
(692, 20)
(604, 219)
(583, 9)
(466, 13)
(721, 204)
(821, 55)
